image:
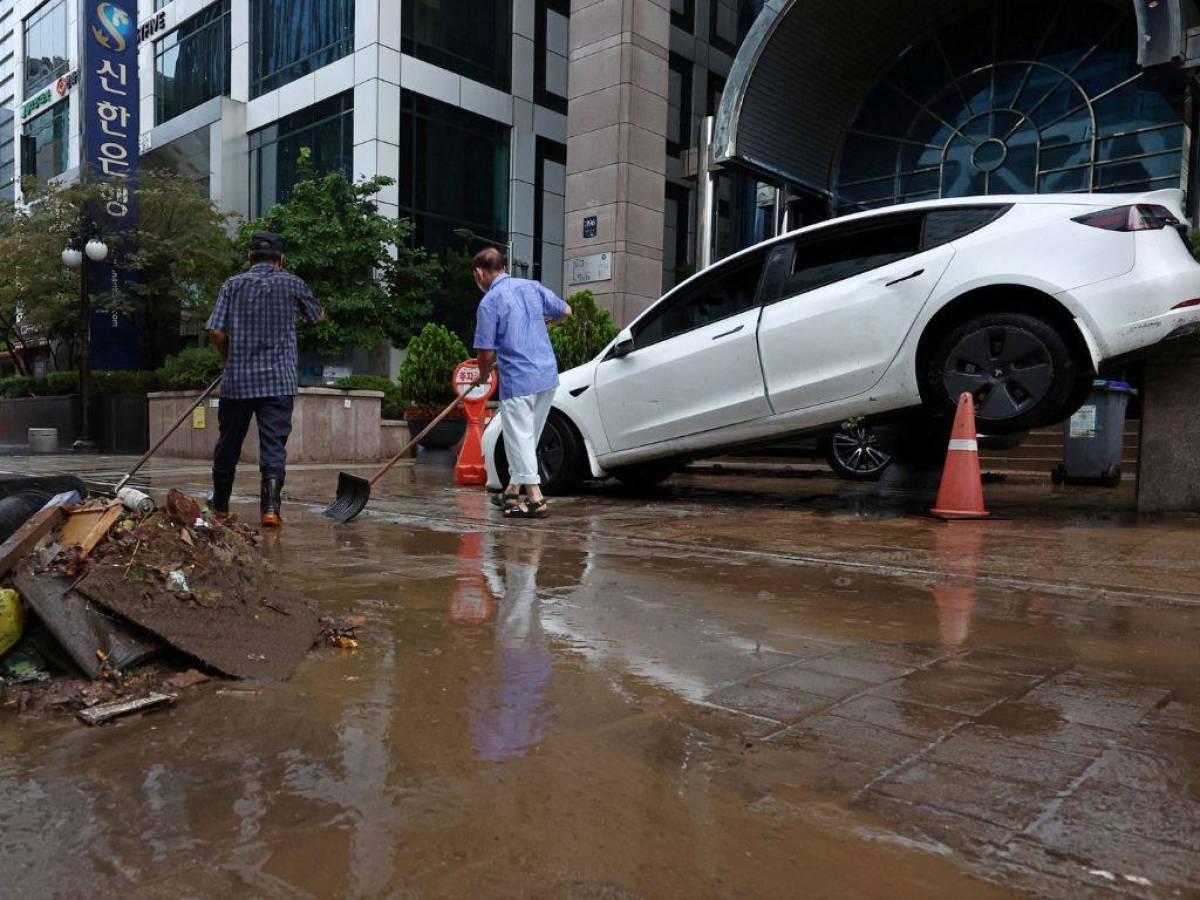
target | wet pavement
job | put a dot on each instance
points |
(736, 687)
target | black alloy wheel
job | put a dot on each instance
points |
(1016, 366)
(561, 458)
(856, 454)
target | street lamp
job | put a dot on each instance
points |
(468, 235)
(95, 250)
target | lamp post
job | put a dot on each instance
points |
(468, 234)
(74, 257)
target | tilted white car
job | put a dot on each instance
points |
(1018, 300)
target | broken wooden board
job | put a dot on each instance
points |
(224, 606)
(101, 713)
(25, 538)
(86, 528)
(80, 627)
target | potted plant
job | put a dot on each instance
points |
(425, 378)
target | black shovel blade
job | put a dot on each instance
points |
(352, 496)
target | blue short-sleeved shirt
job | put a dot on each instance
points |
(512, 321)
(258, 310)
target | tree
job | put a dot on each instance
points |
(179, 252)
(375, 286)
(182, 252)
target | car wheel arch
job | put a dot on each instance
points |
(590, 466)
(1014, 298)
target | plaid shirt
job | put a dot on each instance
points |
(258, 310)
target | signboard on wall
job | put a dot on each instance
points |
(586, 269)
(111, 99)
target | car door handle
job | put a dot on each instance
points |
(916, 274)
(729, 332)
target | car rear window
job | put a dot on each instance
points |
(945, 225)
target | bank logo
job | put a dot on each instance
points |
(117, 28)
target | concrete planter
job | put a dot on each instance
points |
(327, 426)
(393, 435)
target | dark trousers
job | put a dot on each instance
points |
(274, 415)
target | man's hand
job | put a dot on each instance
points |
(220, 340)
(554, 320)
(487, 362)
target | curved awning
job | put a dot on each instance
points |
(800, 76)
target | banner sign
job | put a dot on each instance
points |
(110, 155)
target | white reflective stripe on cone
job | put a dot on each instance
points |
(964, 444)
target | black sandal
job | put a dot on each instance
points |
(503, 499)
(527, 510)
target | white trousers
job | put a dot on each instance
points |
(522, 420)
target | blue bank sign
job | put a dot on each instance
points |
(109, 75)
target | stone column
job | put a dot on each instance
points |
(1168, 465)
(377, 96)
(616, 150)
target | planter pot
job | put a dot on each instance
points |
(448, 432)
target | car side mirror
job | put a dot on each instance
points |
(623, 347)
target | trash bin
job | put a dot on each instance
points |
(43, 440)
(1094, 437)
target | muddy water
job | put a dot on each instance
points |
(631, 703)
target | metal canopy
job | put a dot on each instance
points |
(802, 72)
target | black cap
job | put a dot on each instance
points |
(265, 242)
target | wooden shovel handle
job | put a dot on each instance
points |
(383, 470)
(170, 431)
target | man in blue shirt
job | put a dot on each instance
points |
(510, 329)
(254, 327)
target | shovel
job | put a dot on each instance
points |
(162, 440)
(353, 492)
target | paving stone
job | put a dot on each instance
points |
(873, 670)
(1088, 710)
(1122, 853)
(982, 750)
(1009, 804)
(1025, 865)
(995, 661)
(968, 691)
(1177, 715)
(846, 741)
(1157, 816)
(823, 684)
(1149, 772)
(776, 703)
(911, 656)
(925, 722)
(1041, 726)
(969, 836)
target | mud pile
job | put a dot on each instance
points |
(121, 607)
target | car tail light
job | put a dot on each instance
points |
(1138, 217)
(1186, 303)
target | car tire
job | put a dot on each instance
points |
(562, 459)
(644, 476)
(855, 454)
(1017, 366)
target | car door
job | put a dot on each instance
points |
(839, 305)
(694, 361)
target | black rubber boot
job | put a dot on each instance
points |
(218, 502)
(272, 500)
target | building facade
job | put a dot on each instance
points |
(461, 102)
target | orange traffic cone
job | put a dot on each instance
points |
(961, 493)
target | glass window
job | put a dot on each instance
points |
(326, 129)
(191, 64)
(683, 15)
(679, 104)
(45, 46)
(551, 47)
(44, 144)
(7, 154)
(290, 38)
(1007, 99)
(845, 251)
(549, 212)
(454, 172)
(730, 289)
(945, 225)
(470, 37)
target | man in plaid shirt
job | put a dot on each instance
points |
(254, 327)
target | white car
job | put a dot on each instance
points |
(1018, 300)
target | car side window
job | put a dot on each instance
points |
(945, 225)
(845, 251)
(732, 289)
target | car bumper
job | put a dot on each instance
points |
(1131, 313)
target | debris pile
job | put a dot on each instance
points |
(128, 606)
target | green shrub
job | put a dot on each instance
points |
(58, 384)
(586, 333)
(432, 357)
(392, 406)
(124, 382)
(190, 370)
